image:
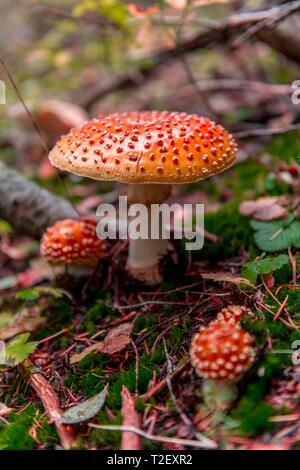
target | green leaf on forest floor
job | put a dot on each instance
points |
(17, 350)
(35, 293)
(276, 235)
(263, 266)
(84, 410)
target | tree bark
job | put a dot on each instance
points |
(27, 207)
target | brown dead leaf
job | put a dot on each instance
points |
(223, 277)
(130, 440)
(33, 433)
(113, 345)
(269, 280)
(120, 330)
(78, 356)
(56, 117)
(4, 410)
(115, 341)
(264, 208)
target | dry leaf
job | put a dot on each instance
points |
(264, 208)
(123, 329)
(115, 341)
(114, 345)
(223, 277)
(78, 356)
(130, 440)
(4, 410)
(56, 117)
(85, 410)
(269, 280)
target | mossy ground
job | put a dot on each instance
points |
(167, 324)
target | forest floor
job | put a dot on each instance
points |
(140, 338)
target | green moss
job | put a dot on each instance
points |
(234, 232)
(143, 322)
(245, 173)
(99, 311)
(47, 434)
(147, 365)
(285, 147)
(16, 436)
(87, 377)
(107, 439)
(175, 338)
(58, 314)
(253, 416)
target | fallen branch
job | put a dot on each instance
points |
(218, 33)
(50, 402)
(27, 207)
(205, 443)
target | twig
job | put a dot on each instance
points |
(282, 306)
(163, 383)
(61, 332)
(293, 264)
(136, 368)
(266, 132)
(204, 444)
(183, 416)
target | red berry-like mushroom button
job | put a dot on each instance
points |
(221, 353)
(233, 314)
(72, 243)
(150, 151)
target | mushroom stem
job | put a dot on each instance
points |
(144, 254)
(218, 395)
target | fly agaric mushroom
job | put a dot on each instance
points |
(233, 314)
(221, 353)
(150, 151)
(72, 243)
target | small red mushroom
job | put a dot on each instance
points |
(72, 243)
(221, 353)
(233, 314)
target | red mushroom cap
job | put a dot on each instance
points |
(146, 147)
(222, 352)
(233, 314)
(72, 242)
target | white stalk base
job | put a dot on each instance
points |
(144, 254)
